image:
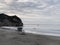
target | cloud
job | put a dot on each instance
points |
(29, 7)
(33, 6)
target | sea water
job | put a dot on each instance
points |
(43, 29)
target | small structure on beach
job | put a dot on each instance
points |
(19, 29)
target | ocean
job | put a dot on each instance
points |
(43, 29)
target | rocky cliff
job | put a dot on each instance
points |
(6, 20)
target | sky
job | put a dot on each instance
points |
(33, 11)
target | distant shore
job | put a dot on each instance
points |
(10, 37)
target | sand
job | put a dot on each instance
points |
(9, 37)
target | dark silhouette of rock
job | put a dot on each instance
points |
(6, 20)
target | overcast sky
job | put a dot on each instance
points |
(39, 11)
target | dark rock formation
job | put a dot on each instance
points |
(6, 20)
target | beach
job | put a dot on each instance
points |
(10, 37)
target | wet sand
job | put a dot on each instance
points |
(9, 37)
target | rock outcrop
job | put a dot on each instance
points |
(6, 20)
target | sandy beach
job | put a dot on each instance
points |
(9, 37)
